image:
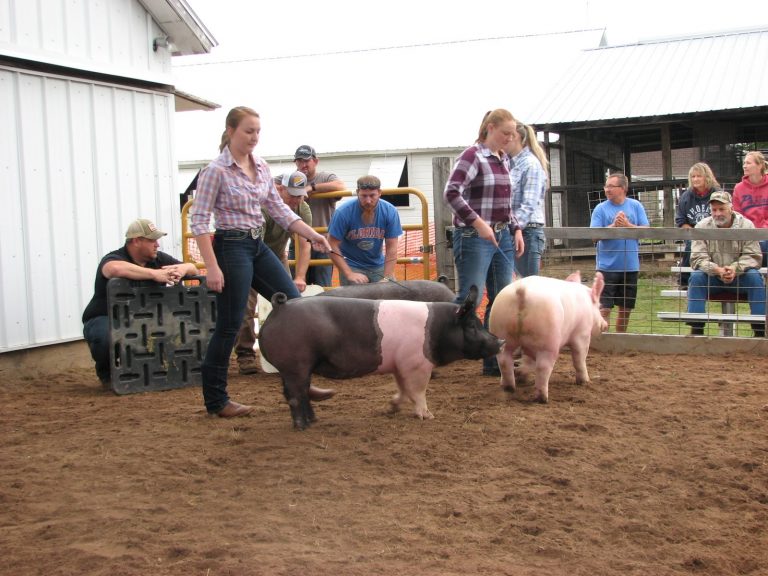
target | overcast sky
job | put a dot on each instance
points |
(278, 58)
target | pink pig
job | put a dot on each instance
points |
(541, 315)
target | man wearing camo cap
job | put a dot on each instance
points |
(725, 265)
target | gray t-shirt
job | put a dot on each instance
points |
(322, 208)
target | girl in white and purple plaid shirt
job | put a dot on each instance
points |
(486, 236)
(235, 187)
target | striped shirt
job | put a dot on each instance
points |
(480, 186)
(226, 190)
(529, 184)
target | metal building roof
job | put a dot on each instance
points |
(185, 29)
(715, 71)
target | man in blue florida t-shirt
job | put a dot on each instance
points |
(358, 231)
(618, 260)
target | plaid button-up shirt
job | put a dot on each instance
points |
(480, 186)
(529, 183)
(225, 189)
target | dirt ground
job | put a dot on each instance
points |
(658, 467)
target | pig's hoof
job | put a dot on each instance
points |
(394, 407)
(540, 398)
(304, 422)
(424, 414)
(582, 381)
(508, 388)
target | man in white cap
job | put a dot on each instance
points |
(138, 259)
(306, 161)
(293, 190)
(725, 265)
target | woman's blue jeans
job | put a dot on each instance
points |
(480, 263)
(529, 264)
(245, 262)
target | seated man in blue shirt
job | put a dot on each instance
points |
(138, 259)
(358, 231)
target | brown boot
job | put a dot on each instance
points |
(234, 410)
(320, 394)
(247, 364)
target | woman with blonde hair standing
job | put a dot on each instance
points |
(486, 236)
(528, 171)
(235, 187)
(693, 207)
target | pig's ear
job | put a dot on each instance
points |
(574, 277)
(469, 302)
(597, 287)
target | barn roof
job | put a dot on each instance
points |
(663, 77)
(185, 30)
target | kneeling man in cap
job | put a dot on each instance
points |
(138, 259)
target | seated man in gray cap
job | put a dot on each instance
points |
(138, 259)
(725, 265)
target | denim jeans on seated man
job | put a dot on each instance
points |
(529, 264)
(245, 263)
(96, 334)
(480, 263)
(702, 286)
(374, 274)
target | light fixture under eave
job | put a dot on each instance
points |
(163, 42)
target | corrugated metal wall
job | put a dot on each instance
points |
(79, 161)
(109, 36)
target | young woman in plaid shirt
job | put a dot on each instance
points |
(234, 188)
(486, 235)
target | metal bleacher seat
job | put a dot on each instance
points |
(728, 300)
(158, 334)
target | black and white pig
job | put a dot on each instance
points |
(345, 338)
(417, 290)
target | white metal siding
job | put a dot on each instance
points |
(108, 36)
(79, 162)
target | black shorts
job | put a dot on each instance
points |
(620, 290)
